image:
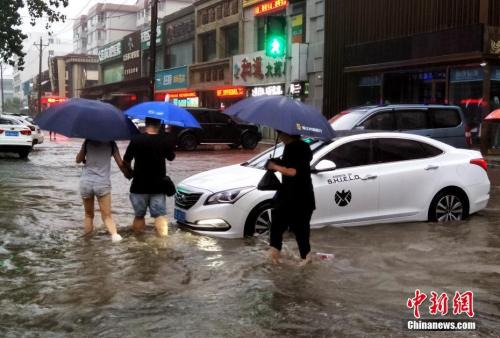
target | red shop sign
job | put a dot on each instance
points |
(270, 7)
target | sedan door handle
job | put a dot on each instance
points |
(432, 167)
(369, 177)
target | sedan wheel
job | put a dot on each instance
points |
(259, 220)
(448, 207)
(263, 222)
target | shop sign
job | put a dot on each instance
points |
(145, 37)
(270, 7)
(466, 75)
(181, 95)
(132, 56)
(174, 78)
(268, 90)
(297, 31)
(257, 68)
(110, 52)
(248, 3)
(231, 92)
(299, 89)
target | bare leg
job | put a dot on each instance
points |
(139, 224)
(88, 204)
(107, 218)
(161, 224)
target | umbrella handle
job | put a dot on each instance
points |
(275, 145)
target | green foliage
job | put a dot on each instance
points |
(11, 35)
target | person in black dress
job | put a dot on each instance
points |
(294, 201)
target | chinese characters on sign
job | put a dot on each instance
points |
(145, 37)
(110, 52)
(231, 92)
(270, 7)
(462, 303)
(268, 90)
(258, 69)
(174, 78)
(132, 56)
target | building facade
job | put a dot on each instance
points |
(415, 51)
(103, 24)
(165, 7)
(71, 73)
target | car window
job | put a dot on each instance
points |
(346, 120)
(8, 121)
(394, 150)
(380, 121)
(411, 119)
(220, 118)
(352, 154)
(201, 116)
(445, 118)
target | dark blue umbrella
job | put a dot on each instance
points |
(283, 113)
(166, 112)
(88, 119)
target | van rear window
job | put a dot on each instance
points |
(445, 118)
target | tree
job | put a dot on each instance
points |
(11, 35)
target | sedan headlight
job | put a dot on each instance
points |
(228, 196)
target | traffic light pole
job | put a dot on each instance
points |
(152, 48)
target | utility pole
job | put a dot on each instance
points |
(40, 50)
(152, 49)
(1, 84)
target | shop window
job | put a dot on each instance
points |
(226, 8)
(234, 7)
(208, 46)
(231, 40)
(411, 120)
(211, 14)
(215, 75)
(221, 74)
(261, 33)
(218, 11)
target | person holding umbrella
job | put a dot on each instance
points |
(294, 201)
(95, 182)
(100, 124)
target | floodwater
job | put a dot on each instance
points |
(54, 283)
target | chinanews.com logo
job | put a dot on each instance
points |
(438, 306)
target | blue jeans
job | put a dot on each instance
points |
(156, 202)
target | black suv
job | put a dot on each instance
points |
(217, 128)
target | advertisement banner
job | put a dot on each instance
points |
(173, 78)
(145, 37)
(110, 52)
(257, 69)
(132, 56)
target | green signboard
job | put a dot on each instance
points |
(173, 78)
(145, 37)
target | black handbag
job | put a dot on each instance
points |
(167, 186)
(269, 182)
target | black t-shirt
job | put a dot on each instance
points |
(297, 191)
(149, 152)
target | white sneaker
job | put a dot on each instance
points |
(116, 238)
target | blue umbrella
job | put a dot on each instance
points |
(166, 112)
(88, 119)
(283, 113)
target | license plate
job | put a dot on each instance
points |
(179, 215)
(11, 133)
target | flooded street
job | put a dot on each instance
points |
(54, 283)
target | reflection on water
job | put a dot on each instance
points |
(54, 283)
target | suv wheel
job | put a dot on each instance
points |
(249, 140)
(188, 142)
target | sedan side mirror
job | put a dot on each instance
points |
(323, 165)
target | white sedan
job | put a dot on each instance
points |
(358, 179)
(14, 136)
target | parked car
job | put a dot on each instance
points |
(440, 122)
(36, 132)
(217, 128)
(359, 179)
(15, 137)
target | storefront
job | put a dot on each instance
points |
(208, 77)
(172, 86)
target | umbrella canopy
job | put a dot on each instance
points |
(494, 115)
(283, 113)
(88, 119)
(166, 112)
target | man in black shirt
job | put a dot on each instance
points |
(149, 151)
(294, 201)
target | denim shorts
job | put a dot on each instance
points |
(156, 202)
(90, 189)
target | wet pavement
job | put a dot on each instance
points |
(53, 283)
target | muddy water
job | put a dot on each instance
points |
(53, 283)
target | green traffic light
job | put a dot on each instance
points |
(276, 46)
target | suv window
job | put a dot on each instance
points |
(394, 150)
(201, 116)
(411, 119)
(220, 118)
(380, 121)
(352, 154)
(445, 118)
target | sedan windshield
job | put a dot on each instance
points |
(260, 160)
